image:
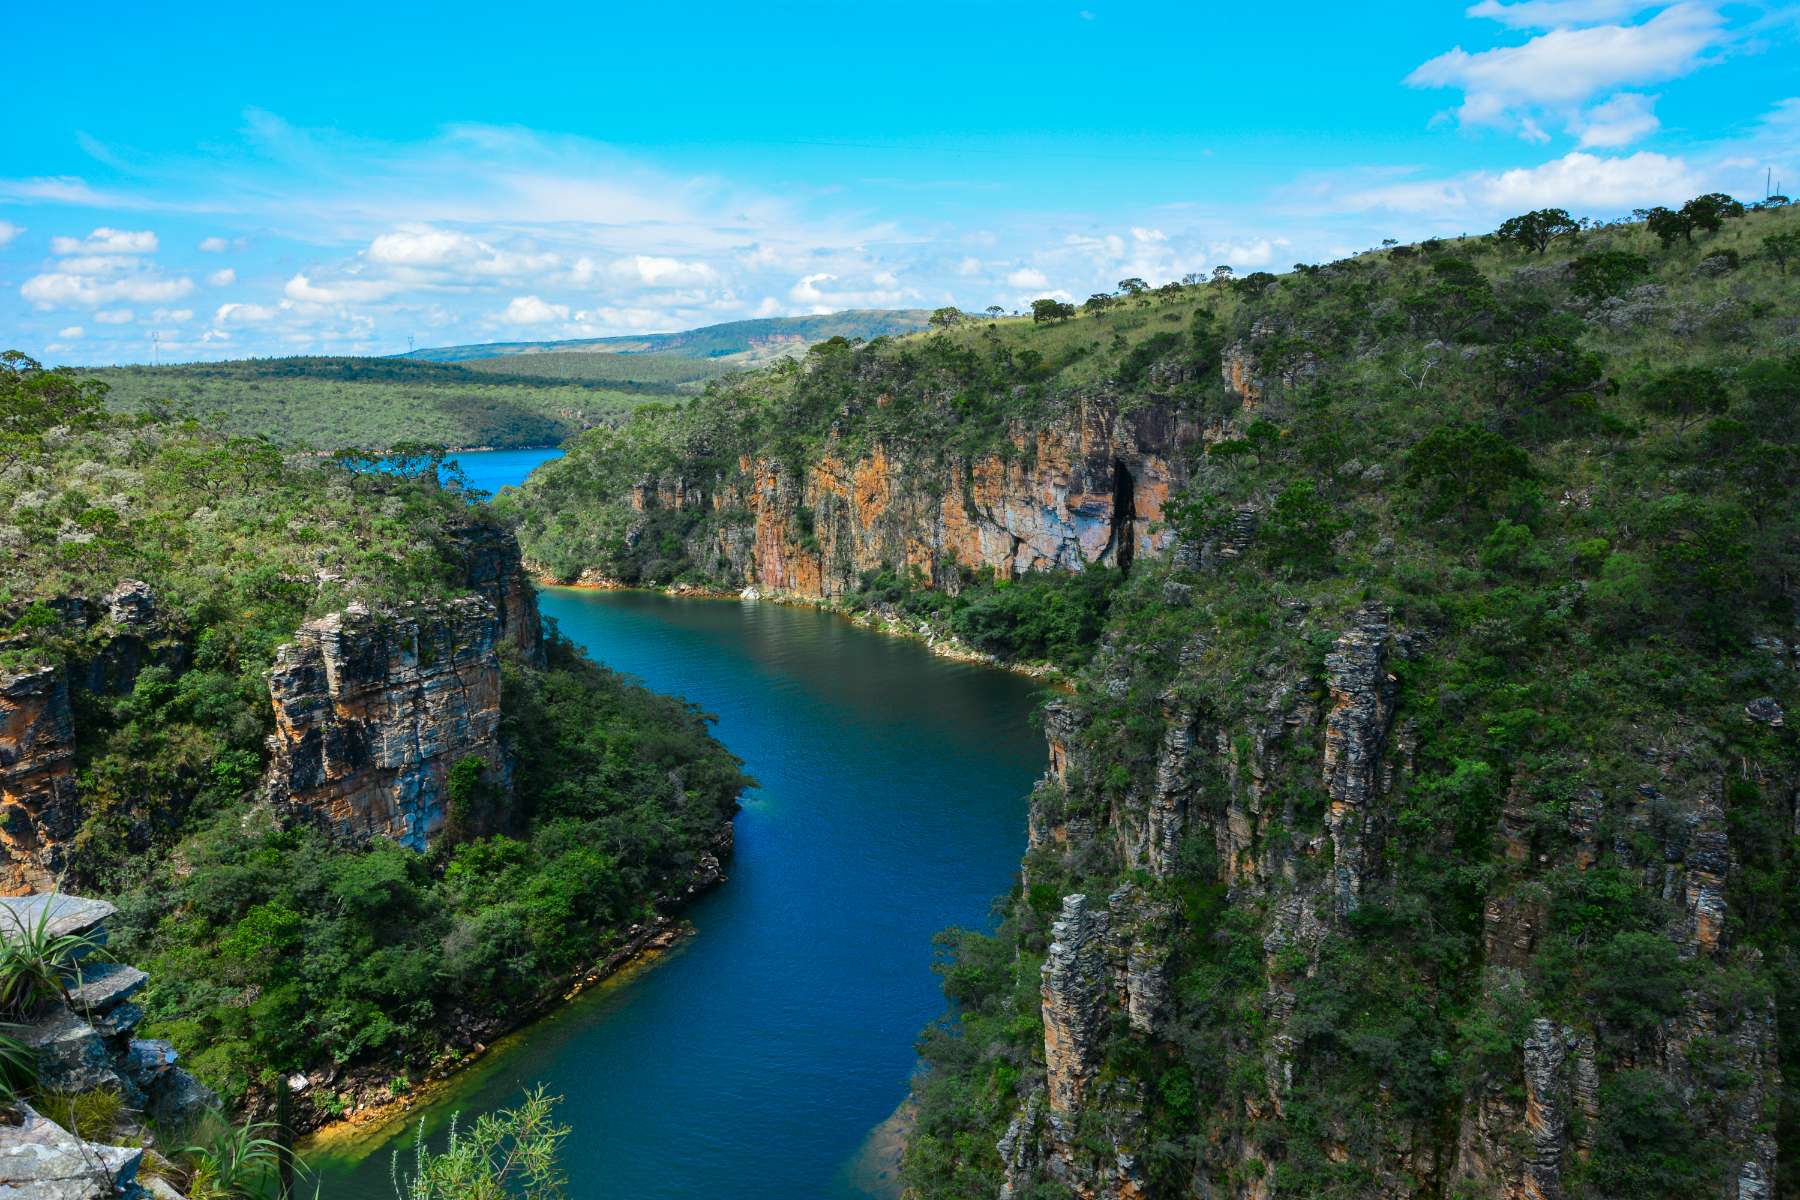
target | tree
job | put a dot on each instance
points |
(946, 317)
(33, 401)
(1710, 211)
(1221, 274)
(1595, 277)
(1535, 230)
(1098, 301)
(1460, 468)
(1780, 247)
(1687, 394)
(1133, 286)
(1048, 309)
(1668, 225)
(995, 311)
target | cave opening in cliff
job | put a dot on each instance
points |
(1124, 516)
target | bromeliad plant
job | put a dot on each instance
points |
(37, 964)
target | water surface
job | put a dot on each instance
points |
(490, 470)
(753, 1061)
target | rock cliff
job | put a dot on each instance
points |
(1087, 487)
(84, 1042)
(373, 710)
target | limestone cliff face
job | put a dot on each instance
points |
(373, 710)
(38, 810)
(1085, 488)
(117, 636)
(492, 569)
(1523, 1128)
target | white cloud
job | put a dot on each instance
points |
(340, 291)
(1578, 181)
(107, 241)
(59, 289)
(823, 292)
(214, 245)
(9, 231)
(661, 272)
(243, 314)
(1257, 253)
(177, 315)
(529, 310)
(113, 316)
(223, 277)
(1027, 277)
(1563, 69)
(1556, 14)
(968, 267)
(72, 333)
(1626, 118)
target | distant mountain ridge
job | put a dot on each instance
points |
(743, 343)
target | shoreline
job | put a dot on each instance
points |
(375, 1121)
(941, 644)
(640, 950)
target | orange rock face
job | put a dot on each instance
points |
(38, 811)
(1088, 489)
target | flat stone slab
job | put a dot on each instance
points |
(105, 986)
(70, 1055)
(40, 1160)
(68, 914)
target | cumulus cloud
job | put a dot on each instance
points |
(1577, 180)
(223, 277)
(1559, 71)
(9, 231)
(61, 289)
(1626, 118)
(662, 272)
(1027, 277)
(243, 314)
(71, 333)
(113, 316)
(339, 291)
(529, 310)
(107, 241)
(214, 245)
(823, 292)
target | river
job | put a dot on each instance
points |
(754, 1060)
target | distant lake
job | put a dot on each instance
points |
(491, 470)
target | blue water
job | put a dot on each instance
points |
(752, 1063)
(490, 470)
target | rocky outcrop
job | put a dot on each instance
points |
(40, 1160)
(84, 1042)
(38, 809)
(493, 570)
(1356, 728)
(1087, 487)
(373, 710)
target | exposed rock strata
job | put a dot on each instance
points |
(373, 710)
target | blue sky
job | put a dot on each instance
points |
(252, 180)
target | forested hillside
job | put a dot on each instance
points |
(1421, 820)
(295, 715)
(329, 403)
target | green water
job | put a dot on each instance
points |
(754, 1060)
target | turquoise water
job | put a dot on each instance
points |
(753, 1061)
(490, 470)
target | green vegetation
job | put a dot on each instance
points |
(271, 947)
(1563, 462)
(325, 403)
(507, 1153)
